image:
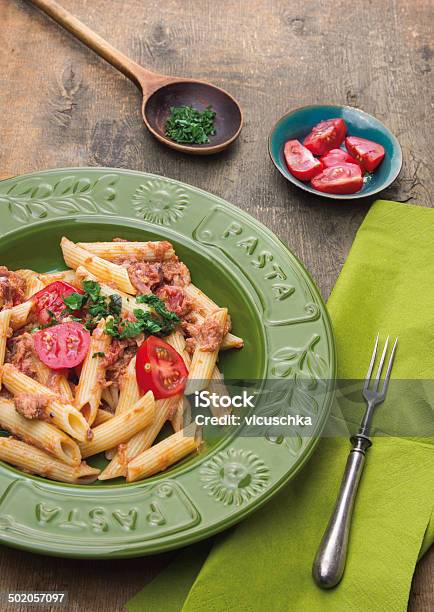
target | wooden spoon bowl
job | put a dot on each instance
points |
(160, 92)
(199, 95)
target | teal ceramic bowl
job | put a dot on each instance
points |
(299, 122)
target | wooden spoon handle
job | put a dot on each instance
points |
(139, 75)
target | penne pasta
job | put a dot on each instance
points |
(203, 362)
(107, 397)
(177, 341)
(205, 306)
(92, 375)
(26, 274)
(128, 396)
(120, 428)
(229, 341)
(20, 314)
(102, 416)
(57, 423)
(104, 270)
(63, 415)
(129, 303)
(142, 251)
(64, 275)
(114, 390)
(33, 460)
(33, 285)
(140, 441)
(41, 434)
(182, 413)
(5, 321)
(217, 386)
(129, 392)
(164, 454)
(53, 380)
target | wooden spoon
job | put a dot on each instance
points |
(160, 92)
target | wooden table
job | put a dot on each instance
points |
(60, 105)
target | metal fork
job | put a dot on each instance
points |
(330, 559)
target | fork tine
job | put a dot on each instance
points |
(380, 365)
(389, 370)
(371, 365)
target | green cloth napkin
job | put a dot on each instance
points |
(386, 285)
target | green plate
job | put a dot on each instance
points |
(275, 307)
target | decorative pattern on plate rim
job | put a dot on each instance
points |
(300, 363)
(34, 197)
(304, 372)
(234, 476)
(160, 202)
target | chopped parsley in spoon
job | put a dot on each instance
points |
(187, 125)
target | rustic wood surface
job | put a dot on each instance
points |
(60, 105)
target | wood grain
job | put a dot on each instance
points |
(63, 106)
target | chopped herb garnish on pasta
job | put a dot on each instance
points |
(161, 322)
(92, 289)
(115, 304)
(101, 352)
(74, 301)
(159, 306)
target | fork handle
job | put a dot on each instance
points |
(330, 559)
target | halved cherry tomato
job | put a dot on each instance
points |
(50, 299)
(300, 161)
(336, 157)
(62, 346)
(345, 178)
(326, 135)
(160, 369)
(370, 154)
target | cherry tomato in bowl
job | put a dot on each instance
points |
(160, 369)
(335, 157)
(326, 135)
(369, 154)
(50, 300)
(62, 346)
(342, 179)
(300, 161)
(298, 123)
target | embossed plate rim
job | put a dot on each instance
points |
(238, 513)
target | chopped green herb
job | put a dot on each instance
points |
(111, 328)
(122, 329)
(74, 301)
(93, 289)
(188, 125)
(98, 354)
(99, 309)
(96, 307)
(149, 324)
(129, 329)
(115, 304)
(167, 319)
(158, 305)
